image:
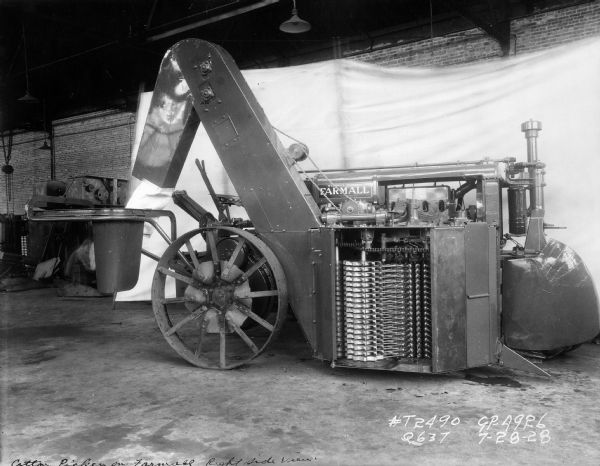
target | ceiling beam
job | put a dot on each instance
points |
(496, 26)
(151, 15)
(212, 19)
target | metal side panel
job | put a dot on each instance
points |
(448, 303)
(293, 250)
(481, 293)
(262, 172)
(322, 246)
(491, 197)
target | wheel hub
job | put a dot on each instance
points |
(222, 296)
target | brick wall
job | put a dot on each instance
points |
(557, 27)
(451, 49)
(532, 33)
(94, 144)
(100, 143)
(31, 165)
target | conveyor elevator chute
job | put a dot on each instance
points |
(383, 295)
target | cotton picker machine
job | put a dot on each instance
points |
(384, 268)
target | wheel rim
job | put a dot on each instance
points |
(230, 296)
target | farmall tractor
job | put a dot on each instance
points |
(384, 268)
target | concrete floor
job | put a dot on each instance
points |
(83, 383)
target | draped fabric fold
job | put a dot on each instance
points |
(352, 114)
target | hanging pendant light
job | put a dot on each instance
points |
(295, 25)
(27, 98)
(45, 146)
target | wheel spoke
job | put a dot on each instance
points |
(179, 268)
(203, 325)
(212, 244)
(236, 252)
(222, 360)
(175, 275)
(180, 299)
(242, 334)
(190, 249)
(193, 316)
(248, 273)
(246, 310)
(258, 294)
(185, 261)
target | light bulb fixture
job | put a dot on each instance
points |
(295, 25)
(46, 146)
(48, 135)
(27, 98)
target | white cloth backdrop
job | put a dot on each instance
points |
(352, 114)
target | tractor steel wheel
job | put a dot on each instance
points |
(219, 296)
